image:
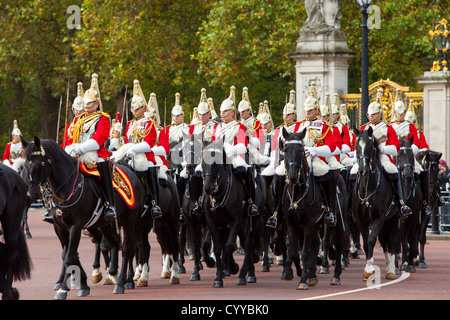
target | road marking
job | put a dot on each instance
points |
(404, 276)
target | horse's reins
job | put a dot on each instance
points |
(407, 165)
(366, 200)
(42, 153)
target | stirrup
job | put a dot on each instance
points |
(110, 214)
(427, 210)
(156, 211)
(272, 221)
(252, 209)
(330, 218)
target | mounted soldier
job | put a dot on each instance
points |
(201, 124)
(235, 145)
(406, 130)
(319, 144)
(389, 147)
(89, 133)
(116, 139)
(13, 149)
(266, 138)
(141, 139)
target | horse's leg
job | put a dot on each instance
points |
(422, 238)
(182, 246)
(292, 250)
(216, 238)
(325, 266)
(127, 256)
(144, 257)
(63, 236)
(311, 244)
(96, 273)
(196, 238)
(73, 267)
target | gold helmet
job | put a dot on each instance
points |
(245, 102)
(93, 94)
(377, 106)
(343, 116)
(138, 99)
(203, 106)
(312, 102)
(325, 109)
(290, 106)
(410, 114)
(264, 115)
(211, 107)
(16, 131)
(177, 108)
(195, 119)
(230, 102)
(399, 106)
(78, 103)
(152, 109)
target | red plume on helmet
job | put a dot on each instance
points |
(118, 123)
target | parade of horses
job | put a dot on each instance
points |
(308, 190)
(310, 194)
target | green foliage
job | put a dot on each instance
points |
(183, 46)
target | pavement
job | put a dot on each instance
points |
(443, 235)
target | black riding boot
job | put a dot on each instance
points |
(153, 196)
(425, 187)
(278, 188)
(107, 188)
(250, 190)
(404, 211)
(329, 192)
(181, 188)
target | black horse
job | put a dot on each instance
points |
(196, 228)
(413, 198)
(166, 229)
(303, 204)
(373, 206)
(225, 214)
(15, 260)
(77, 198)
(430, 161)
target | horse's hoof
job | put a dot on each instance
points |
(129, 285)
(217, 284)
(136, 277)
(57, 286)
(15, 294)
(195, 277)
(182, 269)
(108, 281)
(367, 275)
(265, 269)
(118, 289)
(226, 273)
(287, 276)
(175, 280)
(335, 282)
(84, 292)
(241, 282)
(165, 275)
(354, 255)
(251, 279)
(324, 270)
(313, 281)
(391, 276)
(411, 269)
(302, 286)
(60, 295)
(97, 278)
(422, 265)
(142, 283)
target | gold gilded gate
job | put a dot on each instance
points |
(414, 101)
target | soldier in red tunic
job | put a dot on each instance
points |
(13, 149)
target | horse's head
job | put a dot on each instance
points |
(429, 160)
(294, 154)
(213, 161)
(367, 154)
(405, 160)
(38, 166)
(192, 152)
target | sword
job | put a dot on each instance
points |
(59, 117)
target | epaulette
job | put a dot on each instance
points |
(105, 114)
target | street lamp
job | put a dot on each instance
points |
(442, 46)
(364, 4)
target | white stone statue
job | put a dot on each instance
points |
(323, 15)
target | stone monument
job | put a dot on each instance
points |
(322, 52)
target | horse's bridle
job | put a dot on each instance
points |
(217, 181)
(366, 200)
(407, 165)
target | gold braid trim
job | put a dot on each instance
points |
(138, 135)
(317, 140)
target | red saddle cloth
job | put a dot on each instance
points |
(120, 180)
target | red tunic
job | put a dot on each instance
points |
(150, 137)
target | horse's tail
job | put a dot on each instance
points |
(22, 264)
